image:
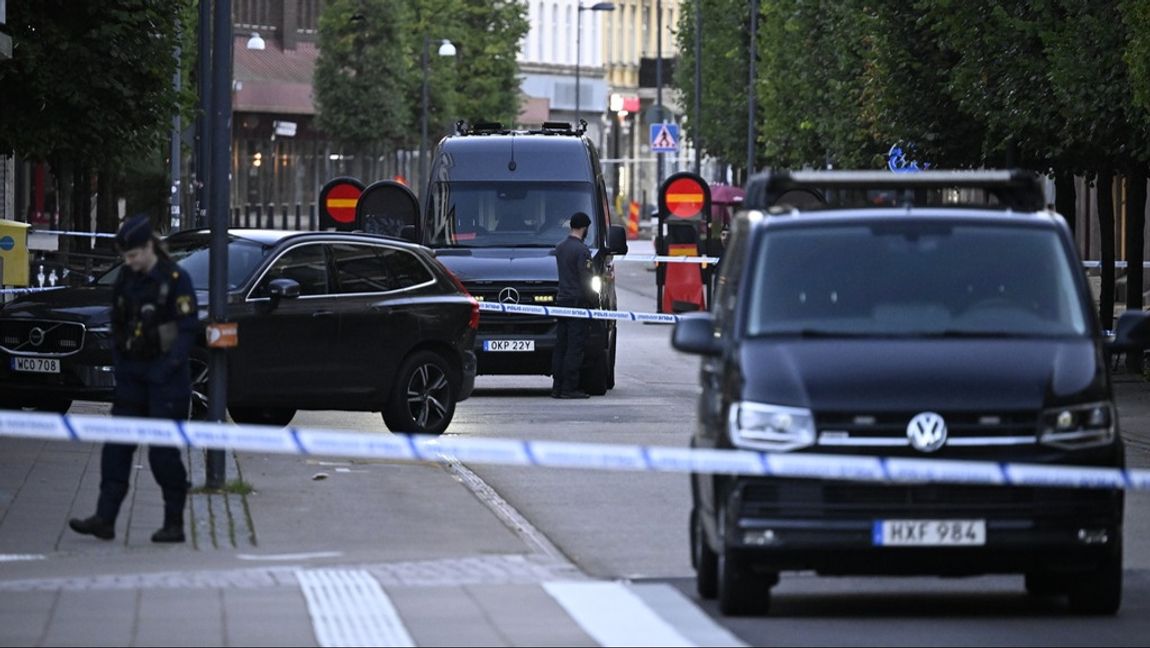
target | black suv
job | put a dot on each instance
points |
(326, 321)
(925, 328)
(497, 203)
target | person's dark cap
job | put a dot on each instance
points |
(135, 232)
(580, 220)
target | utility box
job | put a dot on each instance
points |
(13, 253)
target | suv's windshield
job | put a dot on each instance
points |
(192, 253)
(915, 279)
(505, 214)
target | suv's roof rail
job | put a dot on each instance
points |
(1016, 189)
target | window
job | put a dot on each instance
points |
(360, 269)
(540, 31)
(554, 33)
(306, 264)
(406, 270)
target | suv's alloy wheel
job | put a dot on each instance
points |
(424, 397)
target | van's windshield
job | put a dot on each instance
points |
(913, 280)
(505, 214)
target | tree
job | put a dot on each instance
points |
(719, 130)
(487, 34)
(89, 86)
(365, 76)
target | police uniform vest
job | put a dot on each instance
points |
(141, 313)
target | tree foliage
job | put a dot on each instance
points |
(487, 34)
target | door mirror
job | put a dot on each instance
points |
(617, 240)
(283, 289)
(1132, 332)
(695, 333)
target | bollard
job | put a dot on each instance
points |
(298, 214)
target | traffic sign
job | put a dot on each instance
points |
(337, 201)
(685, 195)
(664, 138)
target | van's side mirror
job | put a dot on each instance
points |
(695, 333)
(409, 233)
(617, 240)
(1132, 332)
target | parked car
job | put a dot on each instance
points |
(919, 330)
(326, 321)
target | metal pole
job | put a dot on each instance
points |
(423, 116)
(175, 153)
(753, 50)
(659, 85)
(221, 132)
(578, 60)
(698, 86)
(203, 119)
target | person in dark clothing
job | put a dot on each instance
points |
(154, 325)
(574, 260)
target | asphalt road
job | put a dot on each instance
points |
(634, 526)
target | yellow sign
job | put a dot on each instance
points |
(13, 253)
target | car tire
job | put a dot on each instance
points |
(611, 360)
(423, 399)
(37, 404)
(704, 560)
(742, 591)
(1043, 583)
(278, 416)
(1099, 592)
(200, 371)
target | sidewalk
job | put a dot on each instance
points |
(270, 567)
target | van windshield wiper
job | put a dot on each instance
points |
(972, 335)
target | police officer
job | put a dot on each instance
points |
(574, 260)
(154, 324)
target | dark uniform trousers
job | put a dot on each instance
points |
(567, 359)
(146, 389)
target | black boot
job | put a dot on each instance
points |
(169, 534)
(94, 526)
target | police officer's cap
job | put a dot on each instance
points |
(580, 220)
(135, 232)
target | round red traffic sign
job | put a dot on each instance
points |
(685, 197)
(341, 200)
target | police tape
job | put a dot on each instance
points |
(28, 291)
(559, 454)
(659, 258)
(578, 313)
(76, 234)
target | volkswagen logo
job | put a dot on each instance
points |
(927, 432)
(509, 295)
(36, 336)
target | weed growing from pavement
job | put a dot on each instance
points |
(234, 487)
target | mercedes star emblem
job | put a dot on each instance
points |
(927, 432)
(509, 295)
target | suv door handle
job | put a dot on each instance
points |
(323, 313)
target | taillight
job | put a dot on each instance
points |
(472, 323)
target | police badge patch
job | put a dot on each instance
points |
(184, 304)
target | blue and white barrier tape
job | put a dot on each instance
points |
(76, 234)
(658, 258)
(578, 313)
(28, 291)
(558, 454)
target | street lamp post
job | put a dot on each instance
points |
(446, 48)
(598, 6)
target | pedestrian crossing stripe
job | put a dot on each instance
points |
(664, 138)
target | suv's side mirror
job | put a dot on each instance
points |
(695, 333)
(617, 240)
(283, 288)
(1132, 332)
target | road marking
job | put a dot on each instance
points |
(349, 608)
(613, 615)
(20, 557)
(682, 613)
(291, 556)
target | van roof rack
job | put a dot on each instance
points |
(1014, 189)
(496, 128)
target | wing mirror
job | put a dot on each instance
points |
(279, 289)
(617, 240)
(1132, 332)
(695, 334)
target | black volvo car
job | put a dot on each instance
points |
(326, 321)
(497, 203)
(923, 329)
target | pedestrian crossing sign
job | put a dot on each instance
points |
(664, 138)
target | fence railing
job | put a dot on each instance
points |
(272, 216)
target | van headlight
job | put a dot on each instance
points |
(774, 428)
(1078, 426)
(597, 284)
